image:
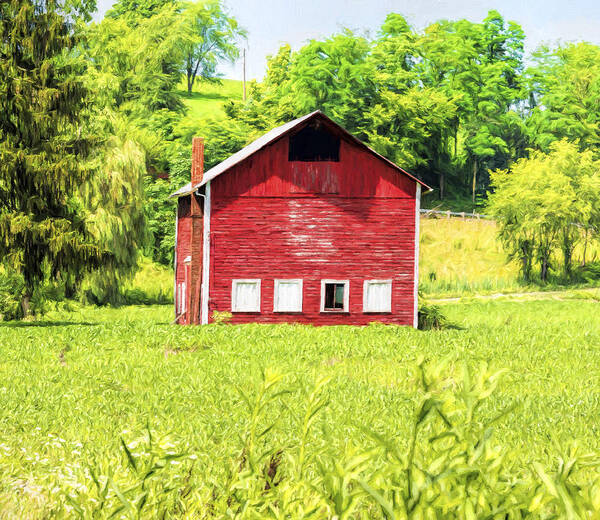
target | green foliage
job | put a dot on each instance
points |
(114, 205)
(136, 70)
(443, 102)
(43, 150)
(211, 37)
(221, 317)
(152, 284)
(547, 202)
(354, 423)
(564, 87)
(133, 10)
(11, 291)
(431, 317)
(136, 57)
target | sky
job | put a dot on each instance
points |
(271, 23)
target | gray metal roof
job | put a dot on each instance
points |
(265, 140)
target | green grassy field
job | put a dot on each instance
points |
(207, 99)
(459, 257)
(77, 384)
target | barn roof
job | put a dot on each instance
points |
(272, 136)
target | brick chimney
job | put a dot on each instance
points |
(197, 160)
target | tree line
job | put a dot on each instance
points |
(94, 134)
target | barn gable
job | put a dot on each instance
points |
(330, 165)
(296, 127)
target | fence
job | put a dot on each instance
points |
(462, 214)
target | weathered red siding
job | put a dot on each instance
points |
(189, 245)
(352, 219)
(182, 248)
(269, 173)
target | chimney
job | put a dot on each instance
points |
(197, 160)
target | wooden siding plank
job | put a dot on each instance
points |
(313, 239)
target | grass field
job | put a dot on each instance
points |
(207, 99)
(75, 385)
(459, 257)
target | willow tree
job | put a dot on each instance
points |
(113, 203)
(42, 147)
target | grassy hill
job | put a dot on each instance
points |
(463, 257)
(207, 99)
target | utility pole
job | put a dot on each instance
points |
(244, 69)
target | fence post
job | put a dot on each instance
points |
(448, 217)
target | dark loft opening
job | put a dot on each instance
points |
(334, 296)
(314, 143)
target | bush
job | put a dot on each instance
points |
(152, 284)
(432, 317)
(590, 272)
(12, 286)
(11, 289)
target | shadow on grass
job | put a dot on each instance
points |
(26, 324)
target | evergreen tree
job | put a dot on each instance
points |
(42, 144)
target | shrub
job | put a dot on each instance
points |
(221, 317)
(432, 317)
(590, 272)
(11, 288)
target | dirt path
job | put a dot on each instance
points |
(534, 295)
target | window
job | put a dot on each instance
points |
(245, 296)
(314, 143)
(334, 295)
(287, 296)
(377, 296)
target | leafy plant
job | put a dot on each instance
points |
(432, 317)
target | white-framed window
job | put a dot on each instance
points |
(335, 295)
(245, 295)
(287, 296)
(377, 296)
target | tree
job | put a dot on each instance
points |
(564, 95)
(133, 10)
(479, 67)
(137, 69)
(113, 202)
(546, 204)
(43, 147)
(409, 123)
(210, 35)
(331, 75)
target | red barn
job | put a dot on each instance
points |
(306, 224)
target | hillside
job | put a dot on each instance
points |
(463, 256)
(207, 99)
